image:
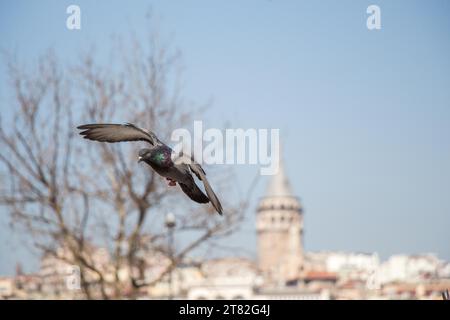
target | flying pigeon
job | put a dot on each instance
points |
(160, 157)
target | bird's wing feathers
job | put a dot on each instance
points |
(201, 175)
(197, 169)
(118, 132)
(194, 192)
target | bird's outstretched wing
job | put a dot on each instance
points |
(109, 132)
(196, 168)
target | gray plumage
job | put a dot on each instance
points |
(159, 156)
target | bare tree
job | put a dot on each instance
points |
(68, 193)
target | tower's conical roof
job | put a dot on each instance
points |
(279, 185)
(279, 195)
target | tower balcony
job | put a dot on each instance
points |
(289, 203)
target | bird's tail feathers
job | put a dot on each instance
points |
(212, 197)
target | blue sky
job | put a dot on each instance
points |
(364, 115)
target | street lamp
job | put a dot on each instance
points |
(170, 225)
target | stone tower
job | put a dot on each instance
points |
(279, 224)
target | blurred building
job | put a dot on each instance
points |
(7, 287)
(404, 268)
(228, 278)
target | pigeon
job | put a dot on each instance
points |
(176, 168)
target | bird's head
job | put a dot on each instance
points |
(144, 154)
(159, 156)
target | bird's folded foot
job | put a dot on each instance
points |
(172, 183)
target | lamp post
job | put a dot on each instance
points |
(170, 225)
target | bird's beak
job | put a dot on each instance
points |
(140, 159)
